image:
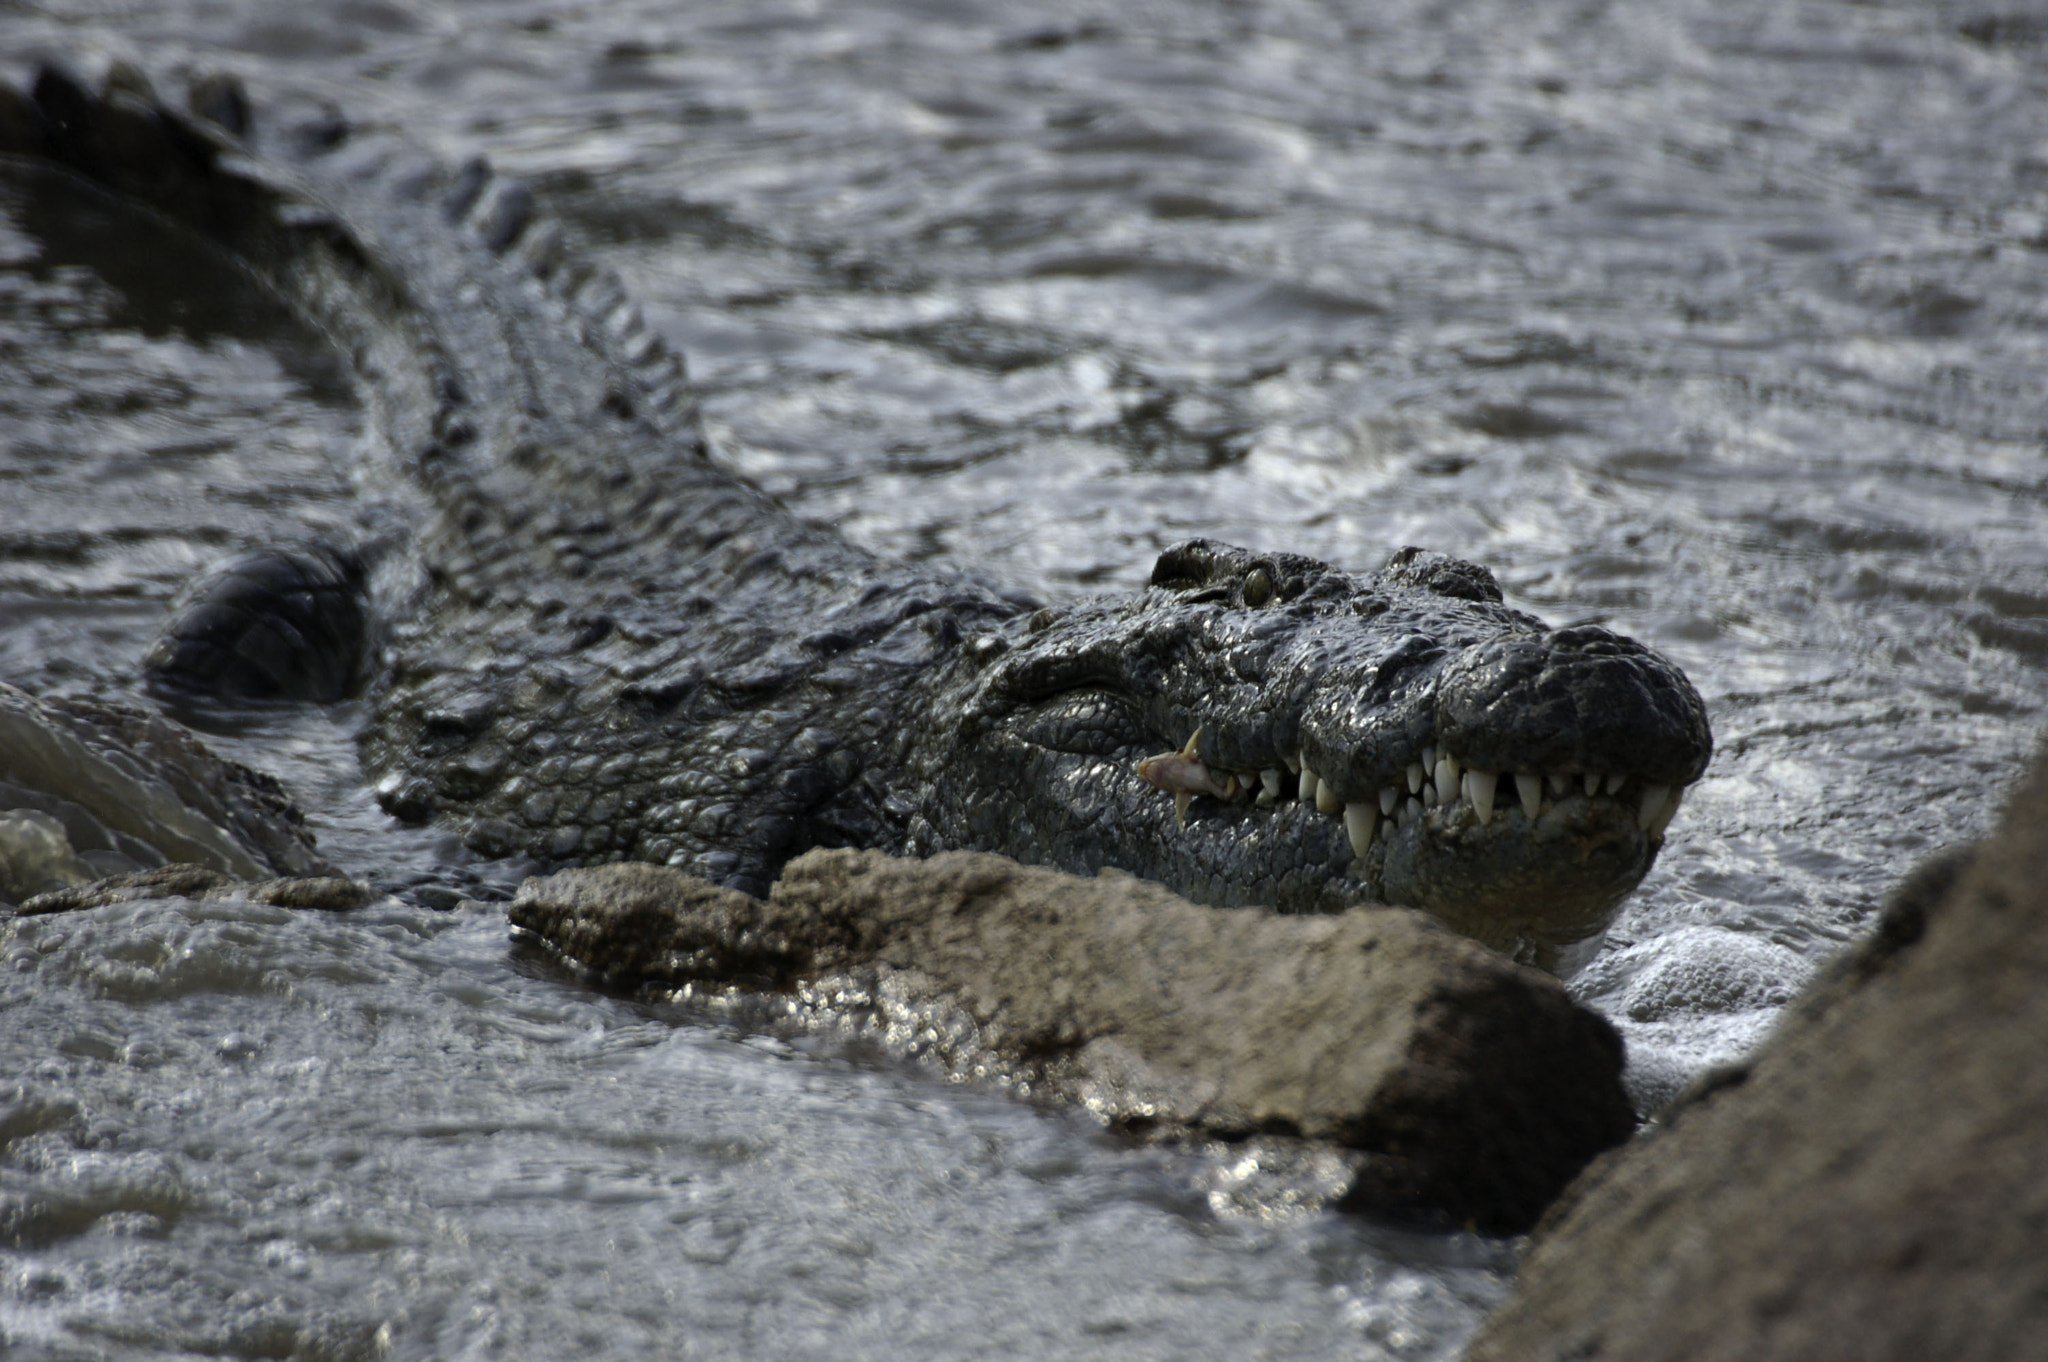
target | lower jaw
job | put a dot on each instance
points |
(1533, 893)
(1542, 893)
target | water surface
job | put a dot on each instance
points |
(1721, 324)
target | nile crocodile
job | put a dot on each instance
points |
(597, 645)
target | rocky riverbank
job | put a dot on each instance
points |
(1872, 1184)
(1474, 1087)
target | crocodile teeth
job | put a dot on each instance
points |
(1655, 797)
(1663, 820)
(1360, 822)
(1479, 788)
(1438, 779)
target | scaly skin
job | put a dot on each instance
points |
(603, 647)
(1281, 667)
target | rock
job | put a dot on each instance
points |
(332, 893)
(631, 925)
(98, 787)
(36, 856)
(1474, 1085)
(1873, 1184)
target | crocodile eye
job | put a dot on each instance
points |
(1258, 587)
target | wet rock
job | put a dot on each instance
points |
(99, 787)
(36, 856)
(332, 893)
(1873, 1184)
(1475, 1087)
(631, 926)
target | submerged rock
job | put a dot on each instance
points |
(1475, 1087)
(36, 855)
(90, 788)
(1872, 1185)
(329, 893)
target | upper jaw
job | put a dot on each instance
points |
(1517, 718)
(1539, 881)
(1415, 773)
(1406, 738)
(1518, 787)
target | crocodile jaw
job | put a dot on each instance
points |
(1529, 887)
(1264, 729)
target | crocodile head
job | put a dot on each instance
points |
(1266, 728)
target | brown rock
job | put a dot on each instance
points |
(1475, 1085)
(330, 893)
(632, 925)
(1873, 1186)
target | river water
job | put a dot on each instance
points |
(1721, 322)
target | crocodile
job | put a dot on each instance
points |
(591, 643)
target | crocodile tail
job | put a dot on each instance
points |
(607, 647)
(264, 190)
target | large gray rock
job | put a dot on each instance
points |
(1475, 1086)
(1874, 1186)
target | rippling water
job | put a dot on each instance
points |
(1720, 323)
